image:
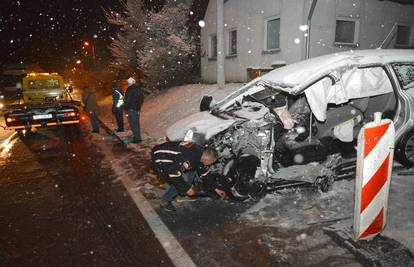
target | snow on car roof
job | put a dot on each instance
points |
(297, 76)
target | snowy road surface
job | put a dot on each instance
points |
(62, 202)
(59, 206)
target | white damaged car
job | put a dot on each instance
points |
(306, 112)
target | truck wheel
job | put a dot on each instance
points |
(405, 150)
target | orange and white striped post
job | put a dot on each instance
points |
(373, 177)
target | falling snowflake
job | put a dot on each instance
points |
(201, 23)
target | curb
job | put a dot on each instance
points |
(177, 254)
(112, 133)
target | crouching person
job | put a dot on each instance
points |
(180, 164)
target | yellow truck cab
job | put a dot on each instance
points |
(43, 87)
(46, 102)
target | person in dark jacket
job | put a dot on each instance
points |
(91, 107)
(134, 97)
(179, 164)
(117, 106)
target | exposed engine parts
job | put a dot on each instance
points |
(246, 155)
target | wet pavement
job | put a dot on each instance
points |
(221, 233)
(60, 206)
(61, 203)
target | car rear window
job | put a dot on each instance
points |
(405, 74)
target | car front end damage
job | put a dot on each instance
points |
(328, 99)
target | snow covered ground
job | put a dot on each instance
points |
(161, 111)
(288, 209)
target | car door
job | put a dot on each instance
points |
(403, 76)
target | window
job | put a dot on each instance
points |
(272, 29)
(213, 46)
(403, 36)
(232, 43)
(405, 74)
(346, 32)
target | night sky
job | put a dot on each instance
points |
(49, 32)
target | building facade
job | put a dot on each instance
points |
(261, 33)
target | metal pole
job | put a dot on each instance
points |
(391, 33)
(220, 44)
(307, 52)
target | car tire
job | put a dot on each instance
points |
(239, 183)
(405, 150)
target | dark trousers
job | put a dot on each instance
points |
(133, 118)
(171, 191)
(119, 118)
(94, 121)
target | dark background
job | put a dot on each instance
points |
(50, 33)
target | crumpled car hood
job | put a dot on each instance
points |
(209, 125)
(201, 122)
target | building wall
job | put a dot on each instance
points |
(376, 19)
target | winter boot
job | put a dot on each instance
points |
(167, 206)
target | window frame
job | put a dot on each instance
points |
(229, 45)
(356, 31)
(266, 21)
(409, 37)
(212, 54)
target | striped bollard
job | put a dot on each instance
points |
(373, 176)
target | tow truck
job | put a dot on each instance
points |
(46, 102)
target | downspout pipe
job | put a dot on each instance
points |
(221, 79)
(308, 23)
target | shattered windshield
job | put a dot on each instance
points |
(405, 74)
(252, 86)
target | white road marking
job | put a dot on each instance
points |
(172, 247)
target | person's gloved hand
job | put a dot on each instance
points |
(220, 192)
(190, 192)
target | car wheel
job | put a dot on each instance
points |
(405, 150)
(240, 183)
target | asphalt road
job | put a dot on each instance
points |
(59, 206)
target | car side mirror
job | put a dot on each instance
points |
(205, 103)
